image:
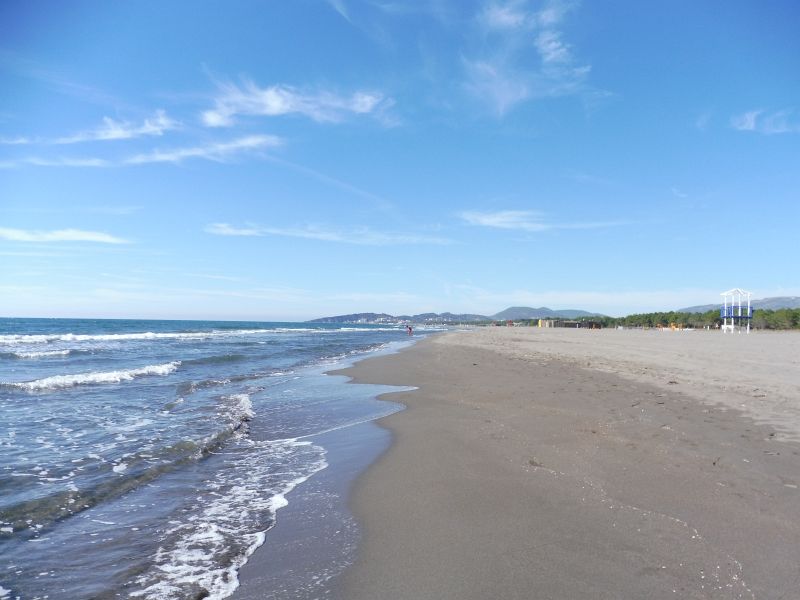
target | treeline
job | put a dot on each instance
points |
(665, 319)
(783, 318)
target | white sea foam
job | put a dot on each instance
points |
(114, 337)
(187, 335)
(4, 593)
(132, 426)
(225, 518)
(366, 329)
(44, 354)
(243, 409)
(62, 381)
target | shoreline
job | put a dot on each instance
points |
(517, 470)
(315, 537)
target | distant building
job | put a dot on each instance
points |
(546, 323)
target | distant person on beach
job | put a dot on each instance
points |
(410, 331)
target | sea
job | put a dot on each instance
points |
(150, 459)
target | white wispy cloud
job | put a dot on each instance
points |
(497, 84)
(59, 235)
(112, 129)
(508, 73)
(525, 220)
(516, 14)
(506, 219)
(507, 15)
(218, 152)
(340, 7)
(225, 229)
(551, 48)
(276, 100)
(761, 121)
(15, 141)
(553, 12)
(746, 121)
(361, 236)
(55, 162)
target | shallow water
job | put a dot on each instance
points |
(148, 458)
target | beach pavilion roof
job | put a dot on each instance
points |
(736, 292)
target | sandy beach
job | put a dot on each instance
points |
(584, 464)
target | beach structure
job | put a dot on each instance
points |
(731, 313)
(547, 323)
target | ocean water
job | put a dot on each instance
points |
(148, 459)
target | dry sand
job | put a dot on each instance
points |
(583, 464)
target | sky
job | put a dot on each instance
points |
(268, 160)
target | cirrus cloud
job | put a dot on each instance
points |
(525, 220)
(277, 100)
(768, 123)
(361, 237)
(507, 76)
(59, 235)
(112, 129)
(217, 152)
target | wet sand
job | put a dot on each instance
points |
(315, 536)
(583, 464)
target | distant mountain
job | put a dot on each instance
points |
(379, 318)
(763, 303)
(463, 318)
(523, 313)
(358, 318)
(445, 317)
(516, 313)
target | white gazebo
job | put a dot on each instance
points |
(731, 312)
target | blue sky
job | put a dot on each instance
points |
(289, 160)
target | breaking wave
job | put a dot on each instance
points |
(43, 354)
(63, 381)
(114, 337)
